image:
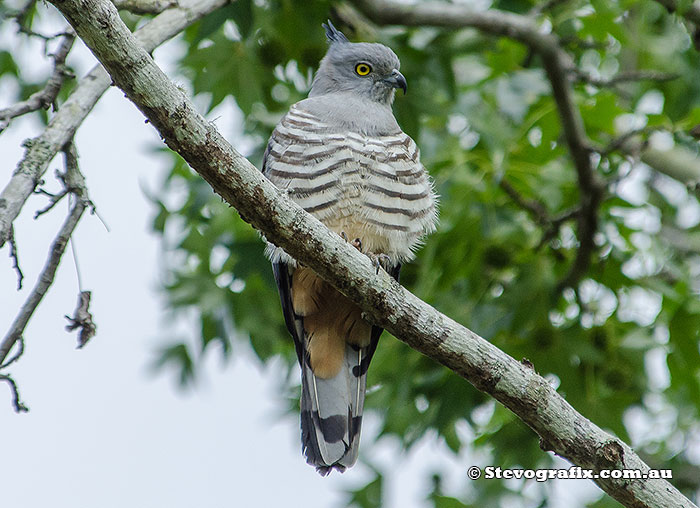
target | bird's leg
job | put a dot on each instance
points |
(380, 260)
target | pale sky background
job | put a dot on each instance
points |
(105, 431)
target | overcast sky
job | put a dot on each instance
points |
(105, 431)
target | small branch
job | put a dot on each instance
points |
(144, 6)
(15, 258)
(53, 201)
(16, 401)
(46, 38)
(45, 279)
(47, 96)
(577, 42)
(539, 213)
(74, 183)
(17, 355)
(622, 140)
(624, 77)
(536, 209)
(566, 216)
(69, 186)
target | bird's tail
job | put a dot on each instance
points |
(334, 345)
(331, 412)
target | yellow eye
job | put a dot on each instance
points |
(362, 69)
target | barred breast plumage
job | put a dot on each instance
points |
(369, 187)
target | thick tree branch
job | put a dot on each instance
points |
(45, 97)
(384, 301)
(42, 149)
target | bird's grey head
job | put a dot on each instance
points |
(367, 69)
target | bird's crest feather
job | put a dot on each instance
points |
(333, 34)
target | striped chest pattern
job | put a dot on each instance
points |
(369, 187)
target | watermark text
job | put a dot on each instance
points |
(573, 473)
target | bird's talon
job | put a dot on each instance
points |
(357, 243)
(380, 261)
(344, 236)
(385, 261)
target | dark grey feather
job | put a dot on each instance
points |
(333, 34)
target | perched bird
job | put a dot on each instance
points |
(341, 155)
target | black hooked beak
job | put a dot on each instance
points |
(397, 80)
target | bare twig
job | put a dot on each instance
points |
(45, 278)
(15, 258)
(74, 183)
(18, 354)
(577, 42)
(72, 180)
(538, 212)
(53, 201)
(624, 77)
(623, 139)
(383, 300)
(536, 209)
(555, 225)
(47, 96)
(62, 126)
(16, 401)
(46, 38)
(558, 220)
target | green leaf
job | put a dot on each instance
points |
(178, 357)
(368, 496)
